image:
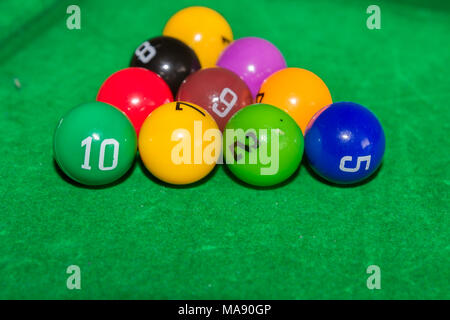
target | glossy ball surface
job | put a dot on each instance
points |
(94, 144)
(206, 31)
(179, 143)
(269, 148)
(252, 59)
(344, 143)
(168, 57)
(219, 91)
(297, 91)
(136, 92)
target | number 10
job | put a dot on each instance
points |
(101, 161)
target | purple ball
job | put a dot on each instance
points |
(252, 59)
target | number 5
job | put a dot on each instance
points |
(344, 159)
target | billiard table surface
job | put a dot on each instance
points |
(220, 239)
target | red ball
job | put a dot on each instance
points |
(136, 92)
(219, 91)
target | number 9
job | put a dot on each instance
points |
(229, 104)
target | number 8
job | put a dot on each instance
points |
(145, 52)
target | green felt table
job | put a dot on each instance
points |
(219, 239)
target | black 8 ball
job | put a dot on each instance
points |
(170, 58)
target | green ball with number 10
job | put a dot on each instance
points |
(95, 144)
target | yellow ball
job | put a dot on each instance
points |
(297, 91)
(179, 143)
(203, 29)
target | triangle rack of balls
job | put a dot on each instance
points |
(195, 97)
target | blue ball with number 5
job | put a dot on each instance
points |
(344, 143)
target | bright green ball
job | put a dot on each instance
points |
(262, 145)
(94, 144)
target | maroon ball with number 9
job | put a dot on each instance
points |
(219, 91)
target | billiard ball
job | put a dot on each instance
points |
(179, 143)
(262, 145)
(297, 91)
(168, 57)
(94, 144)
(344, 143)
(136, 92)
(252, 59)
(220, 91)
(206, 31)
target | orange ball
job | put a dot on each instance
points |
(297, 91)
